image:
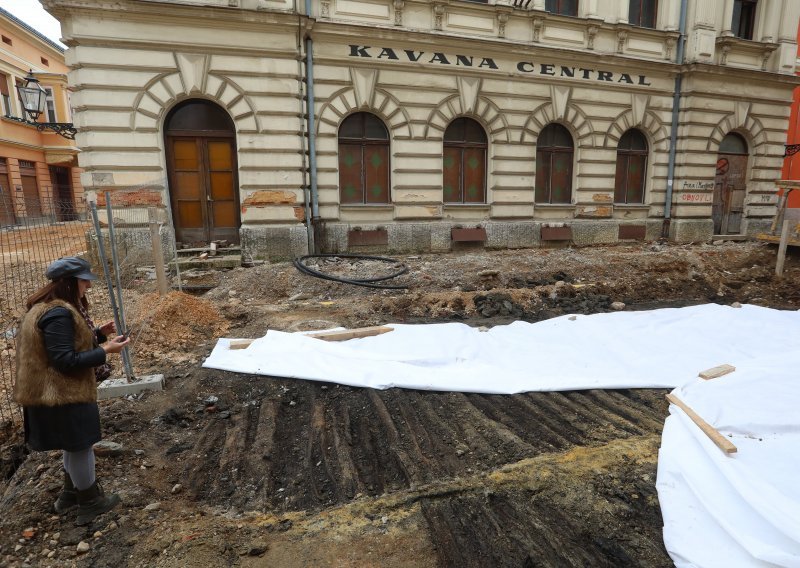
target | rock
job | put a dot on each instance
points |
(617, 306)
(177, 488)
(299, 296)
(73, 536)
(17, 548)
(108, 449)
(257, 548)
(83, 546)
(488, 273)
(572, 318)
(153, 506)
(736, 305)
(29, 533)
(97, 534)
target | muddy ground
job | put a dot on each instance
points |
(222, 469)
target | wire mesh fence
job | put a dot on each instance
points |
(134, 242)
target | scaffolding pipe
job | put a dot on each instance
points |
(126, 364)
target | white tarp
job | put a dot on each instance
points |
(740, 510)
(658, 348)
(719, 510)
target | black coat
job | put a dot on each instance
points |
(70, 427)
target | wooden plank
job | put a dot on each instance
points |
(345, 334)
(717, 371)
(782, 247)
(721, 441)
(240, 343)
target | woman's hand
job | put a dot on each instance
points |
(107, 328)
(115, 344)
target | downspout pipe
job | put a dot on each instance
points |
(673, 135)
(312, 136)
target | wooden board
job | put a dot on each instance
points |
(717, 371)
(337, 335)
(721, 441)
(345, 334)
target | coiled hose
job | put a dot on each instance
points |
(366, 282)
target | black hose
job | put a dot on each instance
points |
(366, 282)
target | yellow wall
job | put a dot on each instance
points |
(24, 142)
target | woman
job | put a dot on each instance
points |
(58, 351)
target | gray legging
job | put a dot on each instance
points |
(80, 467)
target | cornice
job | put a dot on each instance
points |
(353, 32)
(756, 75)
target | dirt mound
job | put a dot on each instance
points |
(173, 326)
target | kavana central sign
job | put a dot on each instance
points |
(529, 67)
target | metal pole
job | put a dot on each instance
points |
(173, 239)
(126, 357)
(158, 254)
(114, 311)
(673, 134)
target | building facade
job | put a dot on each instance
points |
(506, 123)
(39, 173)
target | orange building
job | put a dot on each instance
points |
(38, 168)
(791, 164)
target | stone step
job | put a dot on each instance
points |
(227, 251)
(210, 263)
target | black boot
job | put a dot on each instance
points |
(93, 502)
(68, 497)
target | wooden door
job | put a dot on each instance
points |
(729, 193)
(203, 188)
(30, 189)
(63, 200)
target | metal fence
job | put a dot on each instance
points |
(35, 232)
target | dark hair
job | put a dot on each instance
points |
(65, 289)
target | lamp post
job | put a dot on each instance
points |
(34, 98)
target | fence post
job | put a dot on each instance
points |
(158, 253)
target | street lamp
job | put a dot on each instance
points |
(34, 98)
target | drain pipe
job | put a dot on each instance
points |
(312, 137)
(673, 135)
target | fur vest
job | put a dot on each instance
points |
(38, 383)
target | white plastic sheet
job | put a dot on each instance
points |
(659, 348)
(739, 510)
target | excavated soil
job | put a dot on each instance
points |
(223, 469)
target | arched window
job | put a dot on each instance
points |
(464, 162)
(554, 150)
(643, 13)
(631, 168)
(363, 160)
(733, 144)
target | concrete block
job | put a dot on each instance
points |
(594, 233)
(273, 242)
(111, 388)
(691, 230)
